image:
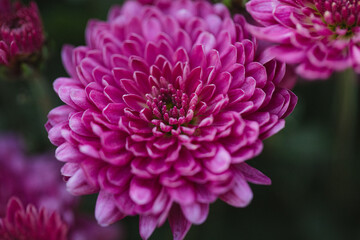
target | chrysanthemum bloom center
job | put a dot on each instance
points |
(342, 16)
(171, 106)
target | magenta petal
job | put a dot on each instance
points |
(113, 111)
(147, 225)
(151, 29)
(59, 114)
(13, 207)
(106, 211)
(220, 162)
(55, 133)
(197, 57)
(356, 54)
(207, 40)
(67, 59)
(77, 126)
(247, 153)
(78, 185)
(228, 58)
(258, 72)
(113, 141)
(253, 175)
(3, 55)
(312, 72)
(141, 191)
(184, 194)
(124, 203)
(273, 33)
(284, 14)
(68, 153)
(222, 82)
(69, 169)
(79, 97)
(196, 213)
(186, 164)
(287, 53)
(276, 128)
(99, 99)
(178, 223)
(240, 195)
(160, 202)
(262, 10)
(134, 101)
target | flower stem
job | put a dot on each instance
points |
(345, 133)
(40, 91)
(347, 113)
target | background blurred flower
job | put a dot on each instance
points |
(319, 36)
(35, 181)
(30, 223)
(5, 6)
(161, 115)
(21, 32)
(30, 178)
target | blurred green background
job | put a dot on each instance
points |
(315, 191)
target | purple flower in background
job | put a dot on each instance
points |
(30, 223)
(319, 36)
(163, 107)
(21, 32)
(35, 181)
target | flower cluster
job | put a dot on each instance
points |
(162, 109)
(21, 32)
(31, 223)
(319, 36)
(34, 180)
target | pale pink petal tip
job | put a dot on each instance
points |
(106, 212)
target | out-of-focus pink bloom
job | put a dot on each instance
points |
(30, 223)
(11, 166)
(35, 181)
(21, 32)
(162, 109)
(5, 6)
(30, 178)
(320, 37)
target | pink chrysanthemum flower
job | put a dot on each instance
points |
(319, 36)
(21, 32)
(162, 109)
(35, 181)
(30, 223)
